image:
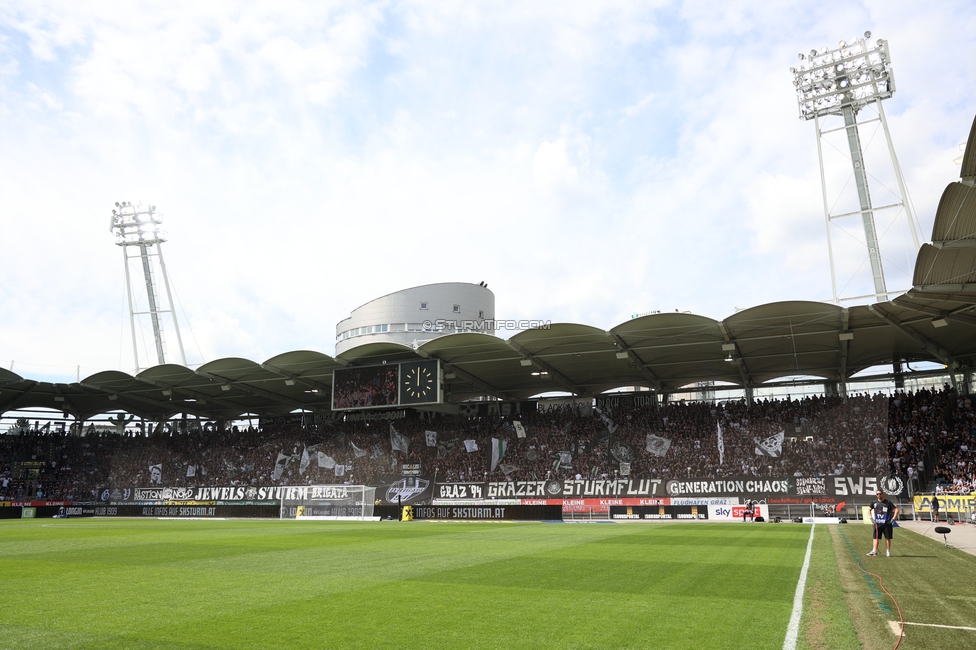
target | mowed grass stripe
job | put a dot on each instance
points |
(475, 585)
(923, 576)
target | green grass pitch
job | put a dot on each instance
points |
(134, 583)
(101, 583)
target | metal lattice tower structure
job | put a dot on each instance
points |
(136, 230)
(840, 83)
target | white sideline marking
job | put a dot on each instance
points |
(793, 629)
(896, 626)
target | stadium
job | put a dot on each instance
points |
(454, 479)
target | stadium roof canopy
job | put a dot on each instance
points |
(934, 321)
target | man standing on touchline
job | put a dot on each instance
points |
(883, 512)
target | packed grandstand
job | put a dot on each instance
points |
(813, 437)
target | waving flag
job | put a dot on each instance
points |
(497, 452)
(771, 446)
(303, 465)
(721, 444)
(326, 461)
(398, 442)
(519, 429)
(280, 465)
(657, 445)
(356, 450)
(611, 425)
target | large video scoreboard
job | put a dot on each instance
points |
(411, 383)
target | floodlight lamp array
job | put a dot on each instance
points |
(136, 224)
(854, 74)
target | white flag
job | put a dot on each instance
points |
(191, 470)
(625, 469)
(611, 425)
(156, 474)
(771, 446)
(657, 445)
(356, 450)
(507, 469)
(326, 461)
(519, 429)
(397, 441)
(279, 468)
(721, 444)
(566, 458)
(303, 465)
(431, 438)
(497, 452)
(470, 446)
(340, 470)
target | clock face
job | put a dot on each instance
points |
(418, 382)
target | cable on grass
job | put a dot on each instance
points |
(901, 619)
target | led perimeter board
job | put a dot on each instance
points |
(411, 383)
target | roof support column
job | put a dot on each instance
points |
(898, 371)
(739, 362)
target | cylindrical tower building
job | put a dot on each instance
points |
(413, 316)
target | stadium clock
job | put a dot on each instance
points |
(419, 382)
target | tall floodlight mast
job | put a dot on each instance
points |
(136, 230)
(841, 82)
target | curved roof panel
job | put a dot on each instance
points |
(376, 353)
(945, 269)
(8, 377)
(968, 171)
(955, 219)
(788, 338)
(675, 349)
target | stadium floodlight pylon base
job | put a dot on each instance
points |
(329, 502)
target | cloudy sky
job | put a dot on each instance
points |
(588, 160)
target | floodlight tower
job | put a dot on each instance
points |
(136, 230)
(840, 82)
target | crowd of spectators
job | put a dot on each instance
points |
(956, 471)
(813, 436)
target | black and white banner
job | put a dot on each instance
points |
(752, 487)
(421, 489)
(405, 490)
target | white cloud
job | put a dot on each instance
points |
(551, 168)
(588, 160)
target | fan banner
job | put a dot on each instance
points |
(826, 489)
(775, 490)
(399, 489)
